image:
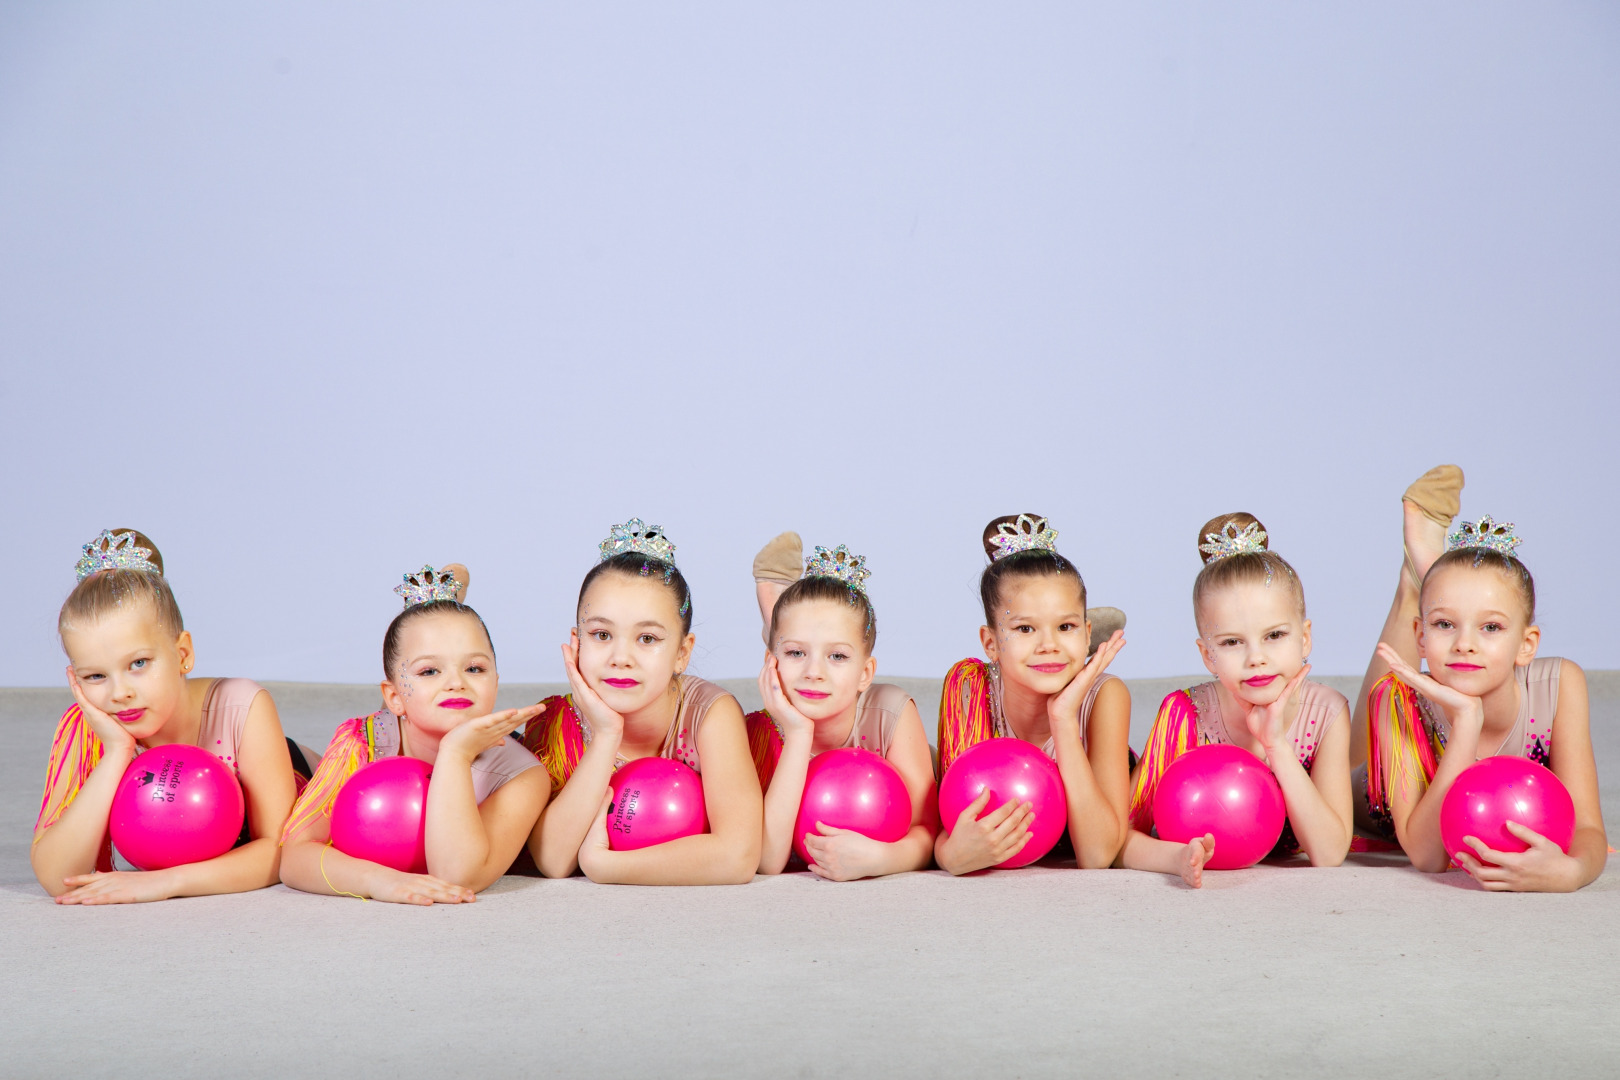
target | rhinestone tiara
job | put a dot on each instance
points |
(1025, 534)
(839, 565)
(1229, 541)
(114, 552)
(1484, 533)
(637, 536)
(427, 585)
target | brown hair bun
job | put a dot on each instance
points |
(1237, 522)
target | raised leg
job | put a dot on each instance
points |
(1427, 509)
(778, 565)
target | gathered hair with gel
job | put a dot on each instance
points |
(118, 589)
(1022, 564)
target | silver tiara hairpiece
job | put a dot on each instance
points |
(1229, 541)
(109, 552)
(427, 585)
(1484, 533)
(637, 536)
(839, 565)
(1025, 534)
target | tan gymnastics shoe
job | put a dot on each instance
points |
(1437, 494)
(1104, 621)
(463, 578)
(781, 560)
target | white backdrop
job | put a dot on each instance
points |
(315, 295)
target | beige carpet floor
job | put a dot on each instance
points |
(1370, 969)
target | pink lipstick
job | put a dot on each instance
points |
(129, 716)
(1466, 667)
(1259, 680)
(813, 695)
(1047, 669)
(455, 703)
(621, 684)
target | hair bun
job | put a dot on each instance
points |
(993, 530)
(1219, 525)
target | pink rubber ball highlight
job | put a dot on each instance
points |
(1228, 792)
(1010, 769)
(852, 789)
(380, 814)
(1490, 793)
(655, 800)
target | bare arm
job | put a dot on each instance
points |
(1417, 813)
(466, 842)
(1573, 762)
(309, 863)
(67, 849)
(726, 855)
(1318, 802)
(1097, 784)
(787, 782)
(782, 801)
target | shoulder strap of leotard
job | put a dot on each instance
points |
(965, 718)
(557, 738)
(353, 746)
(1175, 731)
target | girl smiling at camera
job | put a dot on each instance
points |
(1039, 686)
(1253, 636)
(630, 698)
(130, 656)
(819, 695)
(1466, 604)
(438, 697)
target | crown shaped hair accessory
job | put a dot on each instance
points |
(643, 539)
(839, 565)
(1484, 533)
(110, 552)
(1025, 534)
(427, 585)
(1229, 541)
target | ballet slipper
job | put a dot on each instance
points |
(780, 560)
(1104, 621)
(1437, 495)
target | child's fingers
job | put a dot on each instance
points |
(1530, 836)
(1489, 855)
(994, 818)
